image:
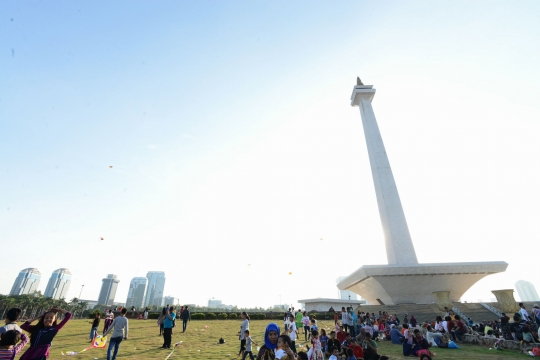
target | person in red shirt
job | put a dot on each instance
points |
(460, 329)
(341, 335)
(357, 349)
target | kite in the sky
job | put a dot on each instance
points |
(101, 238)
(110, 166)
(248, 265)
(290, 273)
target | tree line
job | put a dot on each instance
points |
(33, 305)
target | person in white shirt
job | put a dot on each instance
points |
(293, 333)
(344, 318)
(335, 354)
(445, 324)
(433, 337)
(523, 312)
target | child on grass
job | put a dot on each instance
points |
(249, 342)
(95, 325)
(8, 344)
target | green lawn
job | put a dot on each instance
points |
(201, 343)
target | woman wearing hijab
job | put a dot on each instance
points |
(413, 321)
(267, 351)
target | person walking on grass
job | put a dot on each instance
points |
(120, 330)
(241, 333)
(185, 316)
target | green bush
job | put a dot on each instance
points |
(233, 316)
(154, 315)
(258, 316)
(92, 314)
(197, 316)
(222, 316)
(210, 316)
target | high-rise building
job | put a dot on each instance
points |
(171, 300)
(154, 290)
(136, 292)
(26, 282)
(108, 290)
(526, 291)
(58, 284)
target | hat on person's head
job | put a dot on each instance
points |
(535, 306)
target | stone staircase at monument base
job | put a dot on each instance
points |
(428, 312)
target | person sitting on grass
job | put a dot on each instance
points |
(335, 353)
(528, 337)
(332, 343)
(358, 352)
(8, 344)
(459, 328)
(433, 338)
(302, 356)
(396, 335)
(43, 333)
(420, 344)
(370, 348)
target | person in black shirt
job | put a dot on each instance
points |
(95, 325)
(332, 343)
(185, 316)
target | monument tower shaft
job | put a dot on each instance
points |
(399, 246)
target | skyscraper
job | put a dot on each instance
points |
(136, 292)
(26, 282)
(58, 284)
(526, 291)
(108, 290)
(154, 291)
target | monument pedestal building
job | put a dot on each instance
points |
(403, 280)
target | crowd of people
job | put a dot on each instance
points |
(354, 336)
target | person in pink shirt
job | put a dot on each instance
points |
(8, 344)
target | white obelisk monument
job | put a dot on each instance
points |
(399, 246)
(403, 280)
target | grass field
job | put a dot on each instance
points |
(201, 343)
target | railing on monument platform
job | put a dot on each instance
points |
(492, 309)
(460, 313)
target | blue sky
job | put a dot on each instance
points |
(232, 141)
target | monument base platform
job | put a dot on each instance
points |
(415, 283)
